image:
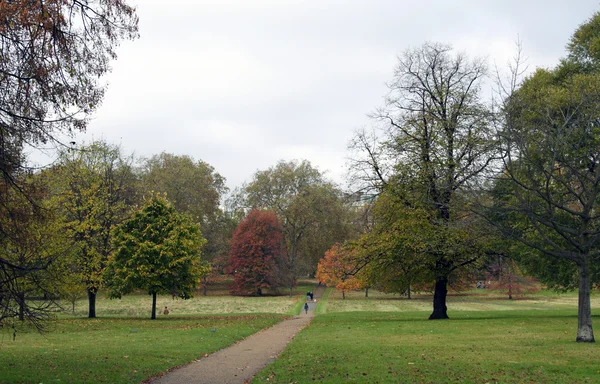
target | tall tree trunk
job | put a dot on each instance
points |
(153, 317)
(91, 302)
(204, 282)
(585, 332)
(343, 295)
(367, 292)
(440, 311)
(408, 292)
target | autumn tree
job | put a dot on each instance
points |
(157, 250)
(310, 208)
(336, 269)
(546, 195)
(256, 259)
(93, 188)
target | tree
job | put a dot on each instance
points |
(157, 250)
(94, 188)
(441, 133)
(548, 191)
(30, 247)
(54, 55)
(195, 188)
(309, 207)
(256, 259)
(336, 267)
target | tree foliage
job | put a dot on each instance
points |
(93, 189)
(547, 194)
(336, 269)
(30, 248)
(256, 259)
(54, 55)
(311, 210)
(157, 250)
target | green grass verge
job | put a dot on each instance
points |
(472, 347)
(119, 350)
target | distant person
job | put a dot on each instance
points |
(166, 311)
(306, 308)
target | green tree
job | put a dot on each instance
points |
(93, 189)
(157, 250)
(548, 191)
(195, 188)
(29, 251)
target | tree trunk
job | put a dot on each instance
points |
(153, 317)
(408, 292)
(585, 332)
(91, 303)
(367, 292)
(440, 311)
(343, 295)
(204, 282)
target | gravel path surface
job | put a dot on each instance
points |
(243, 360)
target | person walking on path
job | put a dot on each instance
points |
(306, 308)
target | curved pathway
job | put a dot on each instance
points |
(240, 362)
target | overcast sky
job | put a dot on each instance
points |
(242, 84)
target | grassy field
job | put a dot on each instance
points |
(123, 346)
(388, 339)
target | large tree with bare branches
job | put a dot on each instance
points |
(440, 133)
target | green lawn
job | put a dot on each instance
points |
(487, 339)
(119, 350)
(124, 346)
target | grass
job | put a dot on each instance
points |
(218, 301)
(123, 345)
(119, 350)
(487, 340)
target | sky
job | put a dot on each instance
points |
(242, 84)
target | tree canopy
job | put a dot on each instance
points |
(256, 258)
(157, 250)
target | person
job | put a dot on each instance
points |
(306, 308)
(166, 311)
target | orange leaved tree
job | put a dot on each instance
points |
(335, 269)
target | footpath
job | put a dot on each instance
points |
(240, 362)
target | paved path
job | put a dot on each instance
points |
(242, 361)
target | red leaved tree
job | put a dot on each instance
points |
(336, 270)
(256, 254)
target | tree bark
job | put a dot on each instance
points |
(204, 283)
(585, 332)
(91, 303)
(367, 292)
(440, 311)
(153, 317)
